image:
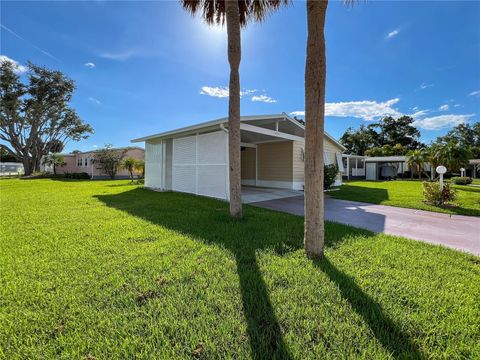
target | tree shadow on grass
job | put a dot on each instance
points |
(397, 343)
(207, 220)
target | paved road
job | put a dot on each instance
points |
(454, 231)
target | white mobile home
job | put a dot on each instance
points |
(194, 159)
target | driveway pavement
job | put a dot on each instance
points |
(454, 231)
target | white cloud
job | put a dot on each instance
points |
(95, 146)
(424, 86)
(393, 33)
(17, 68)
(297, 113)
(263, 98)
(217, 91)
(222, 91)
(366, 110)
(475, 93)
(444, 107)
(89, 65)
(120, 56)
(95, 101)
(442, 121)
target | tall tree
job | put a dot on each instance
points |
(236, 14)
(35, 119)
(315, 78)
(388, 131)
(416, 160)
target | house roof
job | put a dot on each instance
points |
(94, 151)
(224, 120)
(386, 159)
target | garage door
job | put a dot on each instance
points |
(371, 171)
(199, 164)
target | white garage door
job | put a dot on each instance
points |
(200, 164)
(371, 171)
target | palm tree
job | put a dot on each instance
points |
(416, 159)
(140, 167)
(236, 14)
(454, 156)
(433, 157)
(315, 77)
(54, 160)
(129, 164)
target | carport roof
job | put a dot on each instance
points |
(290, 126)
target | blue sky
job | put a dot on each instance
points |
(146, 67)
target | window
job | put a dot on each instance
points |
(79, 161)
(86, 161)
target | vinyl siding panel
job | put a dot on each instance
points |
(298, 161)
(275, 161)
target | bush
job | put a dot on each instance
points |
(434, 196)
(81, 175)
(461, 180)
(329, 175)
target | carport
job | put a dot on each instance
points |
(195, 159)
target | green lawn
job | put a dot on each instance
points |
(407, 194)
(106, 270)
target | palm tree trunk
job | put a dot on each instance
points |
(234, 56)
(315, 78)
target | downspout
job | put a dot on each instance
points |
(222, 126)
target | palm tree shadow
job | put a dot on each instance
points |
(175, 211)
(207, 220)
(384, 329)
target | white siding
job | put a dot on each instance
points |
(153, 164)
(200, 164)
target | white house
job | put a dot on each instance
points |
(194, 159)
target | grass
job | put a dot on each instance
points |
(104, 269)
(408, 194)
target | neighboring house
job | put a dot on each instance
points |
(82, 162)
(376, 167)
(10, 168)
(194, 159)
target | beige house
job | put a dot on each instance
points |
(82, 162)
(194, 159)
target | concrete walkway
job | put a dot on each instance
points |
(454, 231)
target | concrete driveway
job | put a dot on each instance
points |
(454, 231)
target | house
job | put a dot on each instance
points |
(10, 168)
(377, 167)
(194, 159)
(82, 162)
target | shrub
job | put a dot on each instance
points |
(80, 175)
(433, 195)
(461, 180)
(329, 175)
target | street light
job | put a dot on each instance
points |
(441, 170)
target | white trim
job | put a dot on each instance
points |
(298, 185)
(249, 182)
(275, 184)
(249, 145)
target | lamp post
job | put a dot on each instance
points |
(462, 172)
(441, 170)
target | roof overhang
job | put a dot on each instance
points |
(289, 128)
(386, 159)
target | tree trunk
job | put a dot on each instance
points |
(315, 78)
(27, 166)
(54, 169)
(234, 56)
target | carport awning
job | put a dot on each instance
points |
(256, 134)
